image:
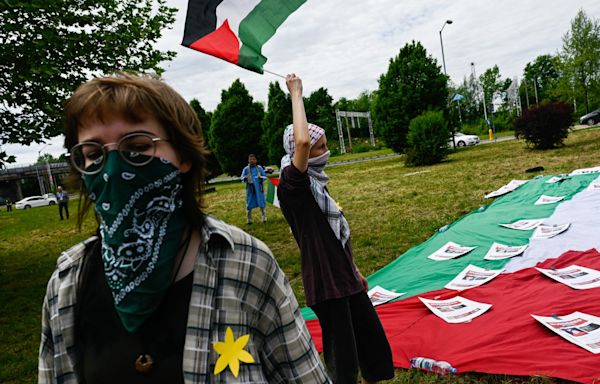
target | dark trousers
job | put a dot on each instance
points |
(353, 337)
(64, 206)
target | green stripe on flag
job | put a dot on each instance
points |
(259, 26)
(415, 274)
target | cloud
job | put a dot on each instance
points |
(30, 153)
(345, 45)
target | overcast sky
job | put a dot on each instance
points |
(345, 45)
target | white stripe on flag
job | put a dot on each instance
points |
(234, 11)
(582, 211)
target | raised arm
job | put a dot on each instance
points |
(301, 136)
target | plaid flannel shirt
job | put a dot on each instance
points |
(237, 284)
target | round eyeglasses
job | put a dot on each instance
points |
(136, 149)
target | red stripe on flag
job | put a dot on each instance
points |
(274, 180)
(222, 43)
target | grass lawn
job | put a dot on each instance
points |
(390, 208)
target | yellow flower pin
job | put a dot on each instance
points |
(232, 352)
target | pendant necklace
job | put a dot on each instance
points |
(145, 362)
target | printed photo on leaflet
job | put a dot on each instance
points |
(457, 309)
(574, 276)
(472, 276)
(501, 251)
(450, 251)
(579, 328)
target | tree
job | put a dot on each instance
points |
(541, 76)
(49, 47)
(581, 54)
(361, 104)
(320, 111)
(48, 158)
(491, 83)
(471, 109)
(277, 117)
(212, 164)
(236, 129)
(412, 85)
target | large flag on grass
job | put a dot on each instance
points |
(235, 30)
(506, 339)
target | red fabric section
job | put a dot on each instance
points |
(222, 43)
(274, 180)
(506, 339)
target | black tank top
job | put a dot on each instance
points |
(108, 352)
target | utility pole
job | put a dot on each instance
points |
(42, 189)
(480, 87)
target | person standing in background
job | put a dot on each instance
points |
(254, 175)
(8, 205)
(63, 202)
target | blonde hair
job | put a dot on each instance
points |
(136, 98)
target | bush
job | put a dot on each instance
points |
(503, 121)
(427, 139)
(360, 145)
(545, 125)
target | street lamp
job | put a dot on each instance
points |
(442, 44)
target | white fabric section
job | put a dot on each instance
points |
(583, 212)
(276, 199)
(234, 11)
(585, 171)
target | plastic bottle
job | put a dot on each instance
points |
(441, 367)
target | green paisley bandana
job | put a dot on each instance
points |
(141, 229)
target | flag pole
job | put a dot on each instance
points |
(273, 73)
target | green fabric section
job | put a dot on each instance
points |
(270, 191)
(414, 273)
(259, 26)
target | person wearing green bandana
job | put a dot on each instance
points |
(162, 292)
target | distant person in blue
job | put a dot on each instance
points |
(254, 175)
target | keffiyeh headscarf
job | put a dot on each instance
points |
(318, 180)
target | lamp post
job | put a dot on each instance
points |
(442, 44)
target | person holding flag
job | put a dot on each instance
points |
(336, 291)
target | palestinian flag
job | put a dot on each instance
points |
(505, 339)
(273, 182)
(235, 30)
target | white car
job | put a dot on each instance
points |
(462, 140)
(35, 201)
